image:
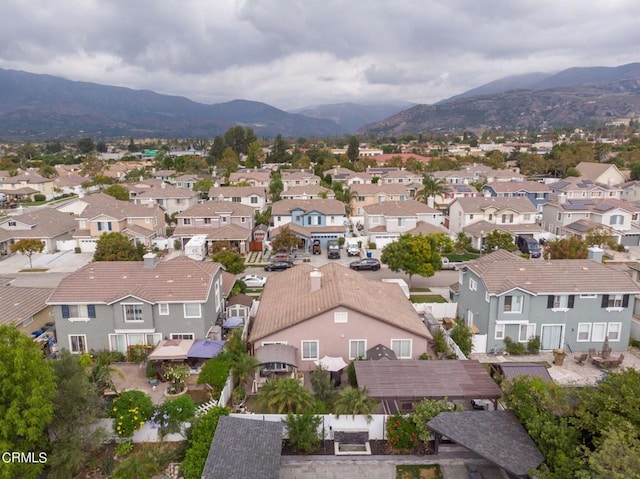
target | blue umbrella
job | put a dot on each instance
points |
(205, 348)
(233, 322)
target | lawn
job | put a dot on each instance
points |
(415, 471)
(33, 270)
(462, 256)
(420, 290)
(427, 298)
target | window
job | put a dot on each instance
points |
(499, 331)
(309, 350)
(584, 332)
(613, 331)
(192, 310)
(236, 199)
(120, 341)
(598, 332)
(527, 331)
(470, 217)
(132, 312)
(615, 302)
(560, 302)
(186, 221)
(360, 198)
(341, 317)
(399, 221)
(507, 218)
(473, 285)
(12, 223)
(513, 304)
(163, 309)
(526, 217)
(402, 348)
(254, 200)
(357, 348)
(182, 336)
(84, 311)
(78, 343)
(486, 296)
(243, 219)
(223, 219)
(469, 320)
(207, 221)
(559, 217)
(104, 225)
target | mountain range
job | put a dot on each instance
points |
(36, 107)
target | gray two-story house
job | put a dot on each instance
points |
(570, 304)
(114, 305)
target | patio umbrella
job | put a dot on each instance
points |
(330, 363)
(171, 350)
(205, 348)
(232, 322)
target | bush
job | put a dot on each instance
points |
(39, 197)
(138, 353)
(77, 250)
(371, 245)
(172, 413)
(341, 241)
(130, 411)
(402, 433)
(425, 357)
(199, 442)
(440, 343)
(215, 373)
(124, 448)
(303, 431)
(461, 335)
(351, 375)
(533, 346)
(514, 348)
(426, 410)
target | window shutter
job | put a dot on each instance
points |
(572, 298)
(625, 301)
(91, 309)
(550, 301)
(605, 300)
(65, 312)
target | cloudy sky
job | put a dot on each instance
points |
(293, 53)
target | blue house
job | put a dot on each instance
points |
(310, 219)
(537, 193)
(570, 304)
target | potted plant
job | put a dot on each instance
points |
(558, 356)
(177, 377)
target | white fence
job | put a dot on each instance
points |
(225, 395)
(438, 310)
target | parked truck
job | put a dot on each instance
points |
(333, 249)
(353, 249)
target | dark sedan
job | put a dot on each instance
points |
(368, 263)
(278, 265)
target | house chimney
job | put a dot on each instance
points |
(150, 261)
(595, 253)
(163, 185)
(315, 280)
(430, 201)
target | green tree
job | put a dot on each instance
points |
(462, 336)
(497, 239)
(322, 385)
(463, 242)
(119, 192)
(86, 145)
(276, 187)
(443, 241)
(353, 150)
(28, 247)
(27, 390)
(412, 254)
(302, 430)
(352, 401)
(199, 442)
(635, 170)
(430, 187)
(566, 248)
(426, 410)
(115, 246)
(77, 408)
(254, 154)
(286, 239)
(600, 237)
(203, 185)
(285, 395)
(232, 262)
(91, 166)
(217, 148)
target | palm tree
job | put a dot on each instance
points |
(285, 395)
(354, 401)
(430, 187)
(241, 366)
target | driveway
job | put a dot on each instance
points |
(61, 262)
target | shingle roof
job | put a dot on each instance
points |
(400, 208)
(285, 207)
(424, 228)
(18, 303)
(45, 222)
(216, 208)
(593, 170)
(480, 204)
(384, 188)
(514, 186)
(501, 271)
(153, 188)
(310, 190)
(177, 280)
(231, 191)
(287, 300)
(495, 435)
(228, 232)
(244, 449)
(100, 204)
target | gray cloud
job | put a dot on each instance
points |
(294, 52)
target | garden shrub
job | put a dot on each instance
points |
(215, 373)
(199, 442)
(402, 434)
(303, 431)
(130, 411)
(172, 413)
(39, 197)
(351, 375)
(426, 410)
(514, 348)
(440, 343)
(462, 336)
(533, 346)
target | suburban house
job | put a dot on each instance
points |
(400, 176)
(334, 311)
(349, 177)
(370, 194)
(25, 185)
(164, 175)
(254, 177)
(570, 304)
(630, 191)
(478, 216)
(24, 307)
(310, 219)
(116, 304)
(187, 181)
(584, 188)
(576, 217)
(311, 192)
(606, 173)
(476, 173)
(218, 221)
(292, 179)
(70, 181)
(451, 192)
(253, 196)
(168, 197)
(537, 193)
(385, 222)
(52, 227)
(99, 213)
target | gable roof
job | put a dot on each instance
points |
(400, 208)
(19, 303)
(515, 186)
(176, 280)
(592, 170)
(100, 204)
(154, 188)
(374, 189)
(244, 448)
(502, 271)
(480, 204)
(327, 207)
(216, 208)
(236, 191)
(287, 300)
(44, 222)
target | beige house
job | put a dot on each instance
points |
(366, 195)
(53, 228)
(299, 178)
(169, 198)
(253, 196)
(253, 177)
(334, 311)
(25, 185)
(24, 307)
(99, 213)
(606, 173)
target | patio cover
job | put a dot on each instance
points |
(331, 364)
(171, 350)
(277, 353)
(417, 380)
(205, 348)
(515, 369)
(495, 435)
(232, 322)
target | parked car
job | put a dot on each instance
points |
(278, 265)
(528, 245)
(448, 264)
(253, 280)
(367, 263)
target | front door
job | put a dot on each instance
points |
(552, 336)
